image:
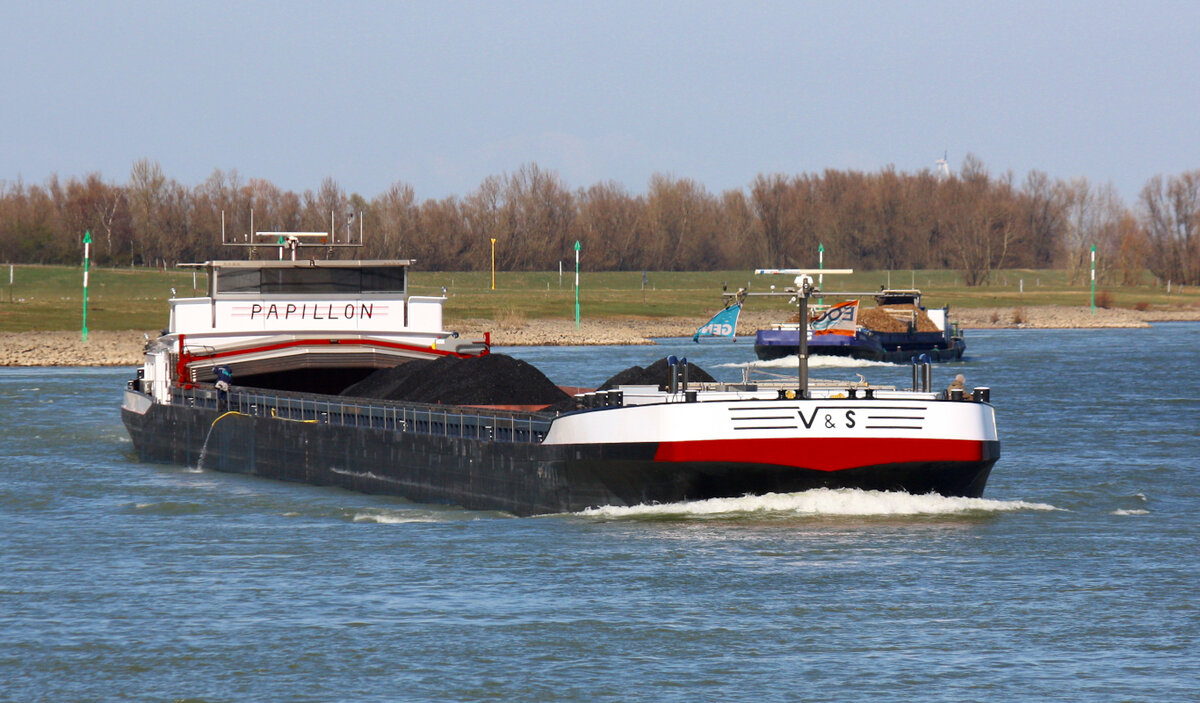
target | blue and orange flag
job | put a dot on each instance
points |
(837, 319)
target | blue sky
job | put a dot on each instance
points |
(441, 95)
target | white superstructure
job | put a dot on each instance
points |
(269, 317)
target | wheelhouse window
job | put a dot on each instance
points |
(384, 279)
(315, 280)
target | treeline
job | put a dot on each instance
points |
(970, 221)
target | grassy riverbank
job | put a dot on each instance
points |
(44, 298)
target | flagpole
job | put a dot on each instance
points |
(803, 288)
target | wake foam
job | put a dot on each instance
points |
(168, 508)
(823, 501)
(814, 362)
(392, 519)
(395, 517)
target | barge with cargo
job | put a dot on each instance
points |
(898, 328)
(251, 378)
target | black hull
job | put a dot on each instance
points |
(519, 477)
(769, 352)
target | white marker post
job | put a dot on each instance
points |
(87, 246)
(1093, 279)
(576, 284)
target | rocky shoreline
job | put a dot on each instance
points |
(124, 348)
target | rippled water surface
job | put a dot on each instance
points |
(1075, 578)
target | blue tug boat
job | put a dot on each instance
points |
(895, 331)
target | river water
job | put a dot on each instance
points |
(1074, 578)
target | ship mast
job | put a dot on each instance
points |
(803, 291)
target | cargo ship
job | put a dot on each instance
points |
(896, 330)
(251, 378)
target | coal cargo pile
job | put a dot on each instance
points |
(888, 318)
(387, 383)
(655, 374)
(492, 379)
(896, 318)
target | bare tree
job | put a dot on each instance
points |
(971, 221)
(482, 214)
(395, 217)
(769, 196)
(146, 192)
(105, 203)
(1045, 218)
(31, 230)
(609, 225)
(1092, 218)
(676, 213)
(1171, 216)
(537, 211)
(980, 221)
(327, 210)
(738, 232)
(1131, 252)
(444, 239)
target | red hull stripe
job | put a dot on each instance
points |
(822, 454)
(325, 342)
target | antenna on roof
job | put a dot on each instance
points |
(291, 241)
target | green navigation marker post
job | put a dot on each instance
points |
(87, 251)
(820, 265)
(576, 284)
(1093, 279)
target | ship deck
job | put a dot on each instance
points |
(472, 422)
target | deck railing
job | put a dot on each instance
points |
(388, 416)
